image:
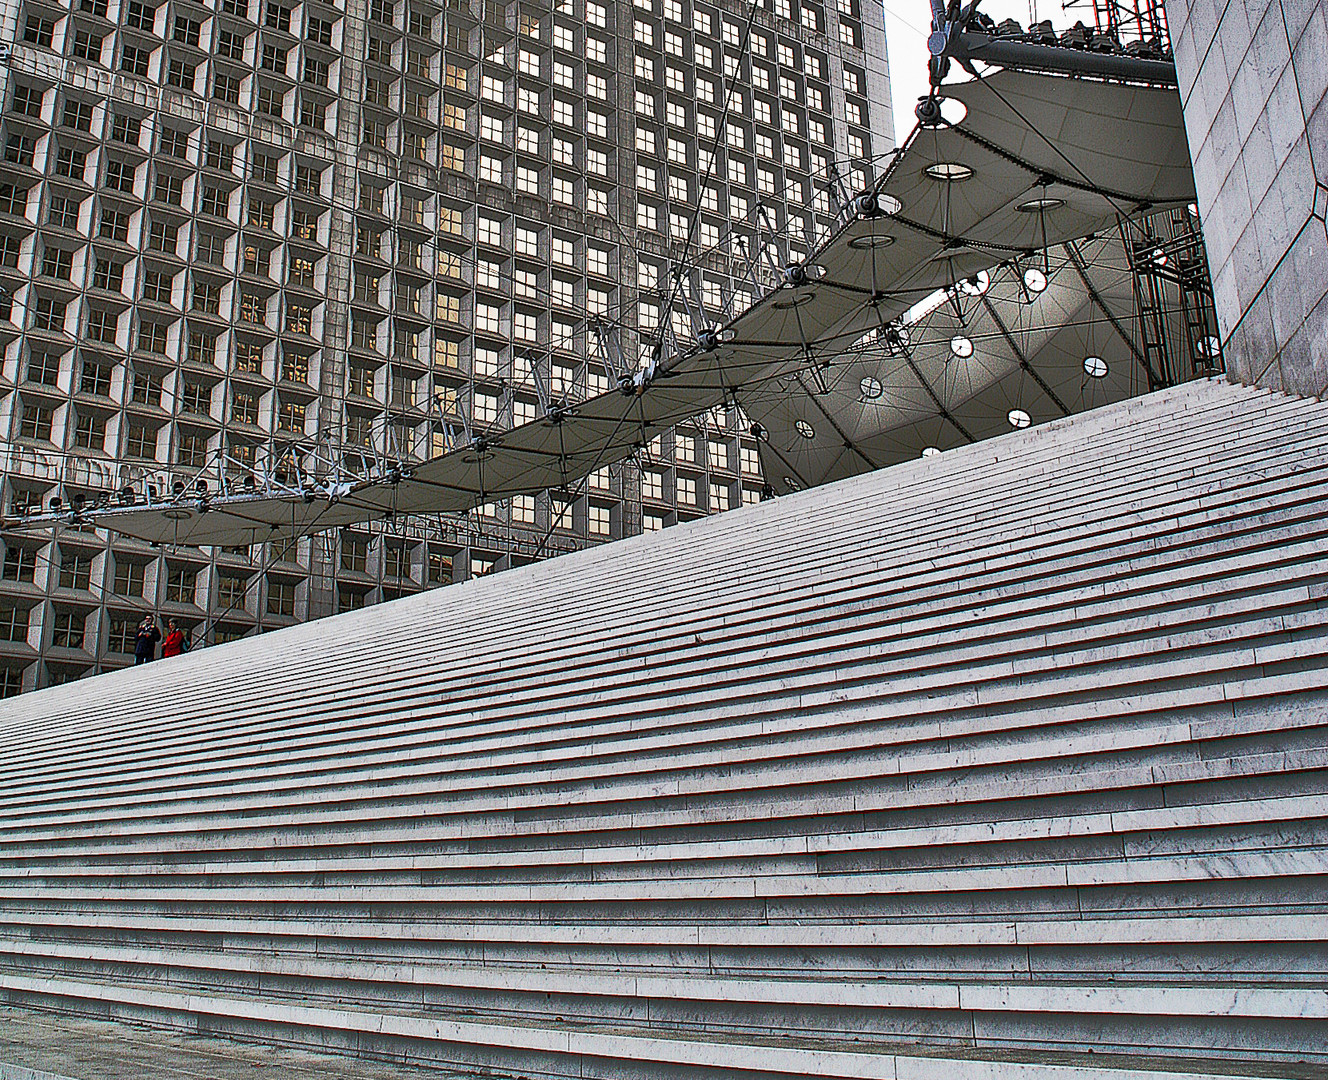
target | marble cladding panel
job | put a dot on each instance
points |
(1254, 81)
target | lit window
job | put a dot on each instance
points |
(454, 158)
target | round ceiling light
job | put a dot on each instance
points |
(1018, 418)
(1095, 366)
(930, 451)
(952, 171)
(1035, 206)
(871, 387)
(871, 241)
(1035, 281)
(961, 346)
(805, 429)
(976, 285)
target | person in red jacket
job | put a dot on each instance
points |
(174, 643)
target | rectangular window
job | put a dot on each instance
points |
(35, 423)
(280, 597)
(163, 236)
(13, 624)
(67, 629)
(231, 589)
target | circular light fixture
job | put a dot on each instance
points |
(805, 429)
(1035, 281)
(952, 171)
(976, 285)
(1034, 206)
(871, 387)
(1018, 418)
(871, 241)
(930, 451)
(1209, 348)
(961, 346)
(1095, 366)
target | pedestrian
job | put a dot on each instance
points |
(174, 643)
(145, 641)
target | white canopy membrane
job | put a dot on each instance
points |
(1036, 164)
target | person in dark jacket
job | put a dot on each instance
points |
(145, 641)
(174, 644)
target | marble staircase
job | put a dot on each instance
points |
(1009, 762)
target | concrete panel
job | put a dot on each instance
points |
(1254, 79)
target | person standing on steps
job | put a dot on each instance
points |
(145, 641)
(174, 643)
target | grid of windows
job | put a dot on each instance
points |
(192, 289)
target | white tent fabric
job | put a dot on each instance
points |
(1035, 162)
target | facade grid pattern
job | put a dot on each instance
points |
(240, 233)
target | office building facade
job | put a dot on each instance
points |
(247, 238)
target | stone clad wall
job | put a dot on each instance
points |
(1253, 77)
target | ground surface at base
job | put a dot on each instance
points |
(38, 1045)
